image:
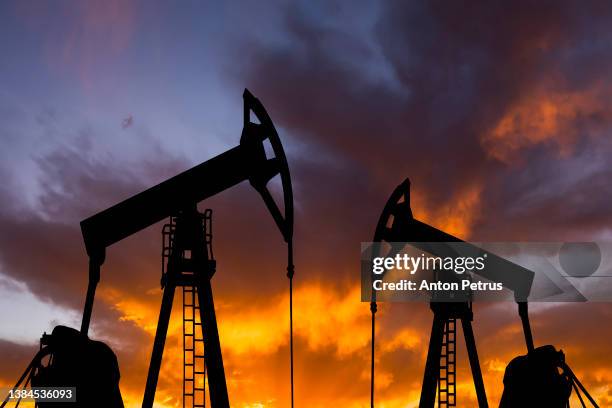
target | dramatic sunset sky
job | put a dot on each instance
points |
(500, 114)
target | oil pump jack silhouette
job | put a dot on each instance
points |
(189, 264)
(530, 381)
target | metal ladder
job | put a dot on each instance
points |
(194, 367)
(447, 390)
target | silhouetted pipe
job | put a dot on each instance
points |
(523, 313)
(94, 278)
(167, 198)
(470, 344)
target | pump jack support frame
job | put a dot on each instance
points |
(396, 224)
(189, 235)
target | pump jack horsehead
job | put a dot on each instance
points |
(539, 379)
(73, 354)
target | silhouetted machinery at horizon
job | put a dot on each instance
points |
(539, 379)
(187, 262)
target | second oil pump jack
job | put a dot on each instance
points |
(541, 378)
(67, 355)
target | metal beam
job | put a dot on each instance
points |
(165, 199)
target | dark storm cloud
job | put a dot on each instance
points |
(552, 199)
(457, 71)
(43, 245)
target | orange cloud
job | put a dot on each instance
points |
(553, 118)
(456, 216)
